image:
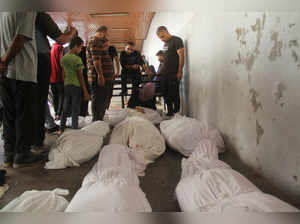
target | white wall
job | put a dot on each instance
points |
(243, 75)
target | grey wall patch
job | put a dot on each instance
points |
(293, 43)
(254, 102)
(276, 50)
(259, 133)
(291, 25)
(295, 56)
(278, 89)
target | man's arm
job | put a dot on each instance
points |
(12, 51)
(180, 53)
(98, 67)
(117, 61)
(48, 27)
(82, 83)
(66, 37)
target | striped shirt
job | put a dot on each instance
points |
(97, 49)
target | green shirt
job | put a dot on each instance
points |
(71, 64)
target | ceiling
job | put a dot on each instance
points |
(123, 26)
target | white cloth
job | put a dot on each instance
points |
(39, 201)
(253, 202)
(203, 191)
(73, 148)
(141, 135)
(184, 134)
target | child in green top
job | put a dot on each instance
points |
(73, 80)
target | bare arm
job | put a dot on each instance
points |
(66, 37)
(14, 49)
(98, 67)
(117, 61)
(81, 80)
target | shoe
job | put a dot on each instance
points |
(54, 129)
(26, 159)
(38, 149)
(8, 161)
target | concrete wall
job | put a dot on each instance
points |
(242, 75)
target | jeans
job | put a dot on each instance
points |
(72, 101)
(58, 97)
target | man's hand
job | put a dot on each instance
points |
(179, 75)
(101, 80)
(3, 66)
(117, 74)
(135, 67)
(86, 96)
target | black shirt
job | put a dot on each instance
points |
(45, 26)
(134, 58)
(171, 58)
(112, 52)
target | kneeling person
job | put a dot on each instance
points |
(73, 80)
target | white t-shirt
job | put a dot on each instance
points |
(24, 66)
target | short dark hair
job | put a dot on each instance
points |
(102, 29)
(161, 28)
(130, 43)
(76, 41)
(160, 53)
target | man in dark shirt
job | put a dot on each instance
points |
(115, 59)
(100, 72)
(131, 60)
(172, 68)
(45, 26)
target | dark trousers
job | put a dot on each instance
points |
(72, 101)
(135, 79)
(40, 97)
(170, 88)
(58, 97)
(16, 130)
(100, 99)
(111, 90)
(84, 104)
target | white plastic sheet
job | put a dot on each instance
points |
(146, 113)
(184, 134)
(118, 158)
(203, 191)
(73, 148)
(111, 193)
(99, 128)
(39, 201)
(114, 117)
(253, 202)
(112, 185)
(140, 135)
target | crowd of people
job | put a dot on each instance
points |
(76, 75)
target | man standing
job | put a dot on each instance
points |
(45, 26)
(100, 72)
(116, 62)
(172, 69)
(131, 60)
(57, 79)
(18, 69)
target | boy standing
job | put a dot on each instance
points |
(73, 80)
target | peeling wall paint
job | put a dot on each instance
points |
(254, 101)
(244, 79)
(276, 49)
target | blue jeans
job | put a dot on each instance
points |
(72, 103)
